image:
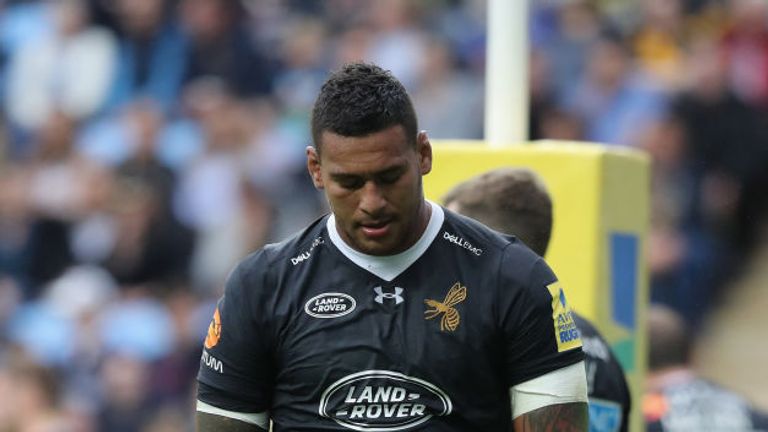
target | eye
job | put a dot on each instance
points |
(389, 177)
(350, 183)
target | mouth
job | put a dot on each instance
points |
(375, 229)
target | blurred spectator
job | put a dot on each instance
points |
(728, 143)
(676, 399)
(149, 246)
(746, 50)
(570, 33)
(443, 88)
(616, 103)
(220, 46)
(31, 397)
(658, 42)
(547, 120)
(127, 403)
(152, 53)
(681, 252)
(398, 44)
(58, 186)
(67, 70)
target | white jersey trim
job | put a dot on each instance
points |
(565, 385)
(389, 267)
(259, 419)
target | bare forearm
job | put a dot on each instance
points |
(212, 423)
(570, 417)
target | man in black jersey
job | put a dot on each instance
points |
(515, 201)
(389, 314)
(677, 399)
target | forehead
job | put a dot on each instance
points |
(370, 153)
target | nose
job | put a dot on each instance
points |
(372, 200)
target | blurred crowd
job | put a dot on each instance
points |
(147, 145)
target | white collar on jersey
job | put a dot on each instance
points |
(388, 267)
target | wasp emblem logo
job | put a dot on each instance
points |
(451, 318)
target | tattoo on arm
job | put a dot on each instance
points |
(212, 423)
(569, 417)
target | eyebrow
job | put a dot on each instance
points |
(391, 170)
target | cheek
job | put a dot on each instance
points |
(341, 200)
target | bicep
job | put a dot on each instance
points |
(567, 417)
(556, 401)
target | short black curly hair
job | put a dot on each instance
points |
(360, 99)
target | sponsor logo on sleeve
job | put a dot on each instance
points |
(459, 241)
(214, 330)
(450, 316)
(382, 400)
(212, 362)
(307, 253)
(330, 305)
(566, 333)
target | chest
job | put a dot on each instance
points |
(361, 350)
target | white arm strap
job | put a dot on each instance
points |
(565, 385)
(259, 419)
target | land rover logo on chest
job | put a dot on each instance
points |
(330, 305)
(382, 400)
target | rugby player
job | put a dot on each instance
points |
(390, 313)
(515, 201)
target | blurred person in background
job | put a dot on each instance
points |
(682, 253)
(727, 144)
(304, 47)
(31, 397)
(676, 398)
(221, 46)
(59, 187)
(149, 247)
(515, 201)
(745, 47)
(441, 88)
(399, 43)
(614, 101)
(658, 42)
(126, 401)
(152, 53)
(68, 70)
(215, 196)
(564, 33)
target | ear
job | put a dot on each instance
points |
(313, 166)
(424, 148)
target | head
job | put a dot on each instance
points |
(510, 200)
(669, 343)
(368, 157)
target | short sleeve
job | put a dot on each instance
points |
(538, 326)
(236, 371)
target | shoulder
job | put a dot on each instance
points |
(276, 258)
(474, 236)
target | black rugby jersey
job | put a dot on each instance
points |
(609, 397)
(325, 338)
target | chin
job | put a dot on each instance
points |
(379, 249)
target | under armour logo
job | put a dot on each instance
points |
(381, 295)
